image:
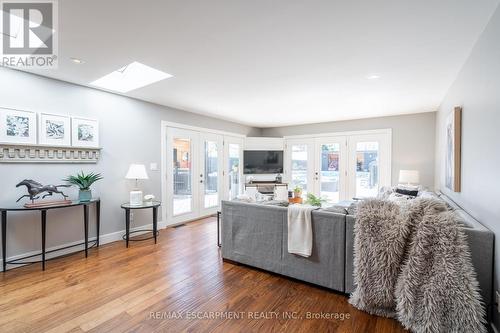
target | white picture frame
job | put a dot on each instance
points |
(17, 126)
(85, 132)
(453, 164)
(54, 130)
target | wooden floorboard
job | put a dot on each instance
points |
(180, 284)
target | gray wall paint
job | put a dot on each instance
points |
(477, 90)
(413, 139)
(129, 132)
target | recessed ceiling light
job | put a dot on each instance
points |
(77, 61)
(373, 77)
(130, 77)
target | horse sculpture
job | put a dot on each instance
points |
(35, 189)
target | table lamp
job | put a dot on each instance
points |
(136, 171)
(408, 177)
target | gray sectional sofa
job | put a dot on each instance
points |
(256, 235)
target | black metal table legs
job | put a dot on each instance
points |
(44, 231)
(86, 228)
(4, 239)
(218, 229)
(155, 222)
(98, 220)
(127, 225)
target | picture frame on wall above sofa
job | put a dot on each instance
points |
(54, 130)
(85, 132)
(18, 126)
(453, 150)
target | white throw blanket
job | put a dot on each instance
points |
(300, 238)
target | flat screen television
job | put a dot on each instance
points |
(262, 161)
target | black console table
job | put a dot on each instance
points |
(43, 220)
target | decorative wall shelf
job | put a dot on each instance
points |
(10, 153)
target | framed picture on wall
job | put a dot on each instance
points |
(54, 130)
(85, 132)
(17, 126)
(453, 150)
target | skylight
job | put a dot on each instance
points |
(130, 77)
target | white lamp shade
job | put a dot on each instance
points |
(409, 177)
(137, 171)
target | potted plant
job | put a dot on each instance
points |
(314, 200)
(84, 181)
(297, 191)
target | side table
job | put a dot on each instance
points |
(128, 207)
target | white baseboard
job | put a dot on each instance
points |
(117, 235)
(103, 239)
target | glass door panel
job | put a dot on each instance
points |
(329, 177)
(299, 167)
(369, 164)
(330, 168)
(182, 174)
(367, 169)
(211, 188)
(210, 175)
(234, 170)
(233, 162)
(181, 165)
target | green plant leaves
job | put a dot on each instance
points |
(83, 181)
(314, 200)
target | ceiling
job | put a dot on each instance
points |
(281, 62)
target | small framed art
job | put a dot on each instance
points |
(17, 126)
(85, 133)
(54, 130)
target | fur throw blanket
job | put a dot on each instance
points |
(412, 263)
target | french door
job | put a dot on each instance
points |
(210, 172)
(339, 167)
(202, 169)
(369, 164)
(330, 168)
(182, 168)
(300, 165)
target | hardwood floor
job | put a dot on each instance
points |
(173, 286)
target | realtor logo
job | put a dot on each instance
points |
(29, 33)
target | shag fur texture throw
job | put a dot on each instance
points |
(412, 262)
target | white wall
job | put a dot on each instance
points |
(129, 133)
(477, 90)
(413, 139)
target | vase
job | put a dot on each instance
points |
(85, 195)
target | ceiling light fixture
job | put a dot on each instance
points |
(130, 77)
(77, 61)
(373, 77)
